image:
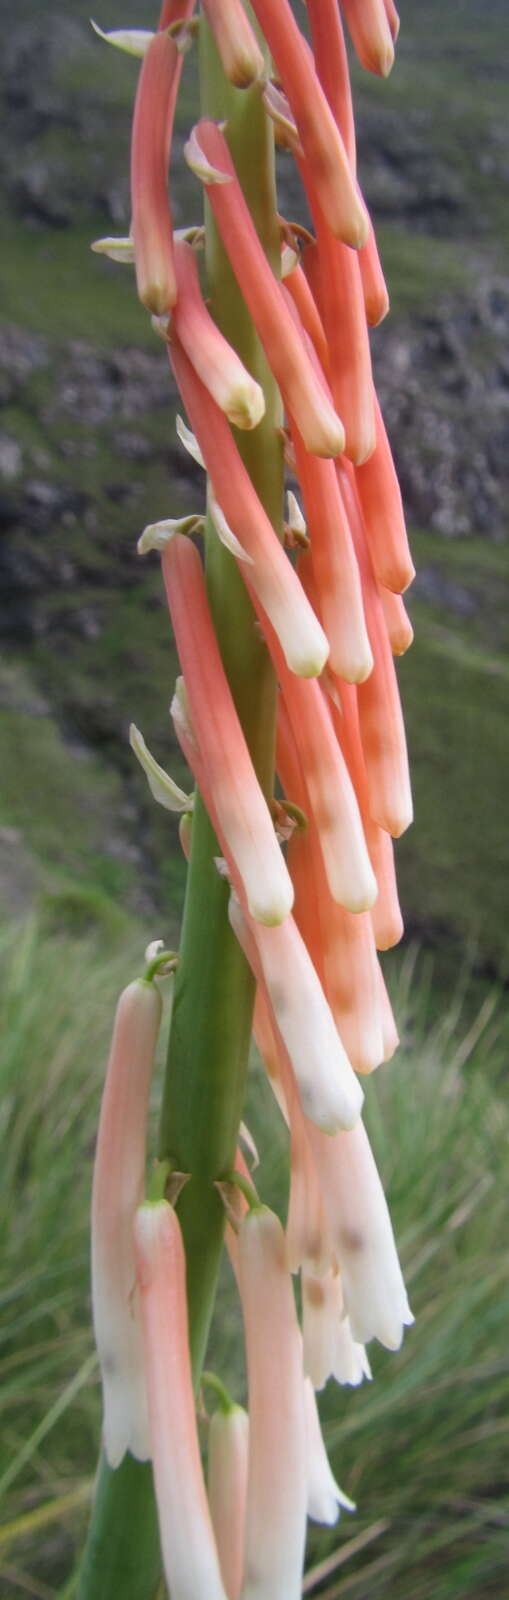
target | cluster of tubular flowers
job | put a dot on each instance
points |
(312, 917)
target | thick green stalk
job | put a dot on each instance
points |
(214, 991)
(213, 1004)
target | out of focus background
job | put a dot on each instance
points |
(90, 869)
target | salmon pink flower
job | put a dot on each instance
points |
(297, 285)
(286, 353)
(397, 621)
(342, 308)
(277, 1470)
(119, 1174)
(331, 62)
(385, 913)
(188, 1546)
(380, 498)
(341, 944)
(218, 366)
(374, 287)
(319, 134)
(243, 817)
(329, 1091)
(334, 566)
(330, 794)
(150, 149)
(268, 573)
(380, 717)
(227, 1491)
(370, 34)
(236, 42)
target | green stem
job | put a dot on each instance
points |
(214, 989)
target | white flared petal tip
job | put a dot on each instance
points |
(382, 1323)
(157, 535)
(116, 249)
(189, 442)
(225, 533)
(197, 161)
(125, 1424)
(164, 790)
(134, 41)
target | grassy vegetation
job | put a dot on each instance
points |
(422, 1449)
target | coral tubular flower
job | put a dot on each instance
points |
(119, 1173)
(227, 1491)
(319, 134)
(385, 913)
(286, 353)
(236, 42)
(218, 366)
(374, 287)
(341, 303)
(188, 1547)
(330, 1351)
(341, 944)
(397, 621)
(331, 797)
(380, 716)
(392, 18)
(277, 1475)
(329, 1092)
(271, 576)
(380, 498)
(373, 1288)
(332, 67)
(150, 148)
(332, 559)
(325, 1498)
(242, 813)
(371, 34)
(297, 285)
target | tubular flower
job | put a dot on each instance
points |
(287, 354)
(243, 817)
(227, 1489)
(150, 150)
(218, 366)
(285, 634)
(119, 1173)
(277, 1464)
(189, 1551)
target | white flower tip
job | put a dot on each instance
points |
(157, 535)
(225, 533)
(134, 41)
(197, 161)
(164, 790)
(289, 259)
(272, 908)
(115, 249)
(189, 442)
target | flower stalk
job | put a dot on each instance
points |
(286, 661)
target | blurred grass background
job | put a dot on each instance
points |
(89, 869)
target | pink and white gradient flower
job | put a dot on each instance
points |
(119, 1174)
(266, 570)
(243, 817)
(228, 1445)
(277, 1469)
(189, 1550)
(218, 366)
(285, 350)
